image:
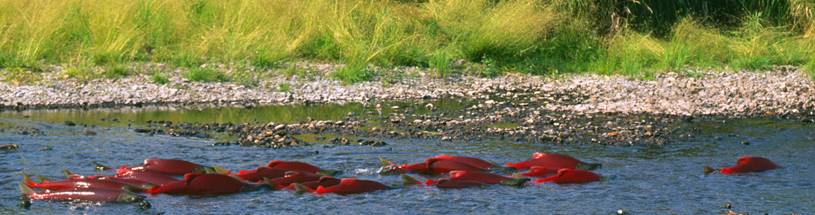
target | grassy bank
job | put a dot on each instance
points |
(626, 37)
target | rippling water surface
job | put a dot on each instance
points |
(639, 179)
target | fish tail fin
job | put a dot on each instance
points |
(28, 182)
(430, 182)
(221, 170)
(328, 172)
(385, 162)
(68, 173)
(409, 181)
(25, 199)
(25, 189)
(589, 166)
(515, 182)
(709, 170)
(300, 188)
(100, 167)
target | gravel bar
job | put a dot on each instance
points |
(782, 91)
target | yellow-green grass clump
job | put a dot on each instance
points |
(635, 38)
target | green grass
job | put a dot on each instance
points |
(20, 76)
(205, 75)
(616, 37)
(159, 78)
(116, 72)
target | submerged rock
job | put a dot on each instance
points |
(9, 147)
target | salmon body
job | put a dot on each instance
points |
(68, 185)
(127, 181)
(257, 175)
(293, 166)
(445, 166)
(454, 184)
(750, 164)
(89, 195)
(203, 184)
(292, 177)
(148, 177)
(539, 171)
(325, 181)
(571, 176)
(482, 177)
(351, 186)
(475, 162)
(174, 167)
(548, 160)
(417, 168)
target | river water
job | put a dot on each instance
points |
(640, 179)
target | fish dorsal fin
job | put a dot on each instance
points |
(68, 173)
(221, 170)
(407, 180)
(385, 162)
(100, 167)
(538, 155)
(709, 170)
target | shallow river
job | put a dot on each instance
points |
(638, 179)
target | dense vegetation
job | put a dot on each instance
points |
(635, 38)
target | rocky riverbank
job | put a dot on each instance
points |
(780, 92)
(520, 108)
